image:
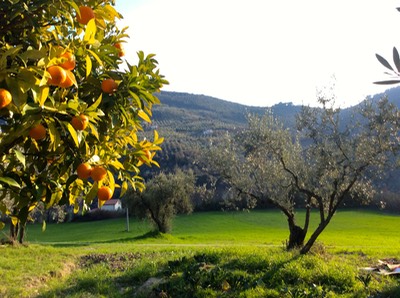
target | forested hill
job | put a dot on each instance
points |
(178, 105)
(189, 122)
(206, 111)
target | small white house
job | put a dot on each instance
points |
(112, 205)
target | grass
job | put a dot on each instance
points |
(348, 229)
(245, 250)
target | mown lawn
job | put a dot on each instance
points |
(211, 254)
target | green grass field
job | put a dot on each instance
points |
(348, 229)
(55, 263)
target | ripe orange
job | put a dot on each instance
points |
(84, 170)
(148, 155)
(85, 15)
(58, 75)
(98, 173)
(80, 122)
(5, 98)
(38, 132)
(104, 193)
(121, 51)
(69, 81)
(109, 86)
(69, 64)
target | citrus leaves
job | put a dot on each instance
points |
(54, 64)
(395, 72)
(9, 181)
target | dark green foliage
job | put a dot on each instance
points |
(266, 276)
(323, 163)
(165, 196)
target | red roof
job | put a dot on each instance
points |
(112, 202)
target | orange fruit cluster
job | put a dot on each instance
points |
(84, 170)
(121, 51)
(61, 74)
(85, 15)
(70, 63)
(148, 155)
(104, 193)
(5, 98)
(109, 86)
(80, 122)
(38, 132)
(98, 173)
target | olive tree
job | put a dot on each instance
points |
(320, 164)
(165, 196)
(69, 113)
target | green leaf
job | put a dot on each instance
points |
(94, 131)
(136, 98)
(124, 188)
(74, 5)
(26, 80)
(155, 135)
(117, 164)
(90, 32)
(55, 138)
(111, 180)
(112, 11)
(73, 133)
(20, 157)
(95, 57)
(94, 106)
(144, 116)
(383, 61)
(2, 225)
(14, 220)
(88, 66)
(92, 193)
(9, 181)
(40, 94)
(18, 96)
(33, 54)
(396, 59)
(388, 82)
(55, 198)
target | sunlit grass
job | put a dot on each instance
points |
(348, 229)
(353, 239)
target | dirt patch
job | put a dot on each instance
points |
(37, 284)
(115, 261)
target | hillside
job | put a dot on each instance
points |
(188, 107)
(194, 114)
(189, 122)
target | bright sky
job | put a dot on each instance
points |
(259, 52)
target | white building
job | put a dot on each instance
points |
(112, 205)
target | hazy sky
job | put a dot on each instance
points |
(259, 52)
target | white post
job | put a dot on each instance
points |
(127, 219)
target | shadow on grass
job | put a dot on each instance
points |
(148, 235)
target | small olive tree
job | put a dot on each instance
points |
(323, 162)
(165, 196)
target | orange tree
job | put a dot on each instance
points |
(64, 101)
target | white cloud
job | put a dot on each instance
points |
(262, 52)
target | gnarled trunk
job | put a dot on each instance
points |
(306, 248)
(13, 232)
(21, 233)
(296, 236)
(17, 232)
